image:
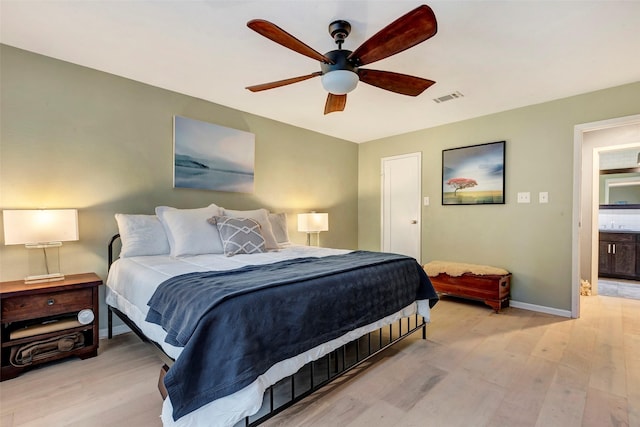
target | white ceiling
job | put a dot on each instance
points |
(499, 54)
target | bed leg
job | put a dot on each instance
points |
(161, 388)
(424, 331)
(109, 323)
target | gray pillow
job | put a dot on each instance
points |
(239, 235)
(260, 215)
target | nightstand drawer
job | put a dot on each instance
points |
(48, 304)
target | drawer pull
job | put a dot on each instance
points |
(50, 301)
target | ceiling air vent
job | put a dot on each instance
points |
(449, 97)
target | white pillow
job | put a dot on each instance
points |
(188, 231)
(262, 216)
(279, 226)
(141, 235)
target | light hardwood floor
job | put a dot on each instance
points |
(516, 368)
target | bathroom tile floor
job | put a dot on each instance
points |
(619, 288)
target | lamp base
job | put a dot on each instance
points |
(43, 278)
(317, 238)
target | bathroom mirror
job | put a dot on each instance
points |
(620, 190)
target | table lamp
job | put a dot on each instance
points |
(313, 223)
(41, 229)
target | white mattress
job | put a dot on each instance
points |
(132, 281)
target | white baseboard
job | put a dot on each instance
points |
(117, 330)
(540, 308)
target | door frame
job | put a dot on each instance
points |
(418, 155)
(578, 137)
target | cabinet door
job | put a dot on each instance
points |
(624, 259)
(637, 276)
(604, 258)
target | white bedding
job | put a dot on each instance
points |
(133, 280)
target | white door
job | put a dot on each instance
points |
(401, 208)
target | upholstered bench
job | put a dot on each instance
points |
(491, 285)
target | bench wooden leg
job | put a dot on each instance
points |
(497, 305)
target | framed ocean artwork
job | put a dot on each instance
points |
(212, 157)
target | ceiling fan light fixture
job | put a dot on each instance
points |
(340, 82)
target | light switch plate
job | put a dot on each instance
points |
(524, 197)
(426, 201)
(543, 197)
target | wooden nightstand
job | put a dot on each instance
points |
(46, 314)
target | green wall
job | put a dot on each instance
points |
(75, 137)
(533, 240)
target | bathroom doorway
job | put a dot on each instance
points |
(618, 220)
(623, 131)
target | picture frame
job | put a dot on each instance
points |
(207, 156)
(474, 175)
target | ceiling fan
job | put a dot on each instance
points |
(340, 69)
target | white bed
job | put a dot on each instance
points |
(133, 279)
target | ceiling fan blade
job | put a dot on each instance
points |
(403, 33)
(280, 36)
(335, 103)
(272, 85)
(395, 82)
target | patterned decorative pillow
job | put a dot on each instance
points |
(239, 235)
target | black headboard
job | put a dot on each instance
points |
(111, 242)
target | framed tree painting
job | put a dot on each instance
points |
(473, 175)
(212, 157)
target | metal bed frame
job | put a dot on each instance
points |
(312, 376)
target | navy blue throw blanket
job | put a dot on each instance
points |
(230, 340)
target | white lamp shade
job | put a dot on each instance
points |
(313, 222)
(339, 82)
(40, 226)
